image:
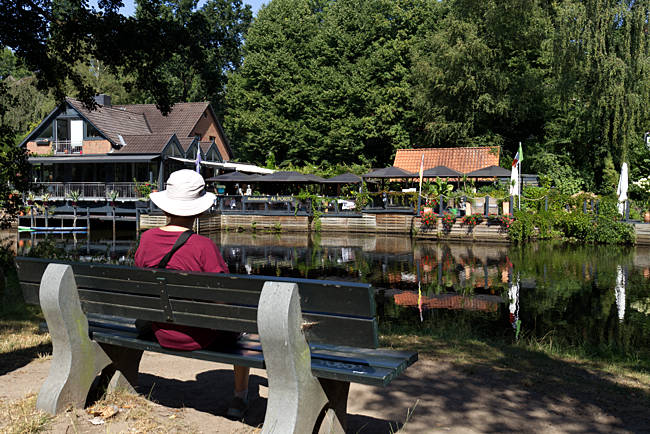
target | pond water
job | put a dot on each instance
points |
(596, 298)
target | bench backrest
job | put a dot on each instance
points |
(336, 313)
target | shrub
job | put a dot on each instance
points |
(472, 219)
(429, 219)
(448, 220)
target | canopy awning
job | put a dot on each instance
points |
(441, 172)
(390, 172)
(490, 172)
(102, 158)
(232, 177)
(346, 178)
(240, 167)
(287, 177)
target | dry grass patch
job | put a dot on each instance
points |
(21, 416)
(16, 335)
(122, 411)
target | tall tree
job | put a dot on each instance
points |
(267, 97)
(51, 36)
(477, 74)
(326, 81)
(198, 72)
(601, 64)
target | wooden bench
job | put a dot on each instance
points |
(315, 336)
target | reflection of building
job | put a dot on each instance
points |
(486, 303)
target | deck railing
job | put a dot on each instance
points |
(67, 147)
(87, 190)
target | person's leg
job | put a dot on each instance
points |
(241, 381)
(239, 404)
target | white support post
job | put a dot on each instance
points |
(296, 397)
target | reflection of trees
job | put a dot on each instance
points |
(568, 295)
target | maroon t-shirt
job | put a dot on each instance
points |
(197, 254)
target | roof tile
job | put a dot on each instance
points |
(180, 121)
(145, 144)
(463, 160)
(112, 121)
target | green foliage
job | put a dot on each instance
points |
(198, 71)
(522, 228)
(557, 171)
(474, 81)
(14, 170)
(316, 203)
(327, 83)
(157, 46)
(605, 228)
(599, 86)
(436, 188)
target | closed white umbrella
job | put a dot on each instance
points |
(514, 182)
(621, 190)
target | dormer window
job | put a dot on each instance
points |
(91, 132)
(47, 133)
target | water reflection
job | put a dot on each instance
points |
(596, 298)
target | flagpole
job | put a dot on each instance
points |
(420, 189)
(519, 175)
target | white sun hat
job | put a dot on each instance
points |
(185, 194)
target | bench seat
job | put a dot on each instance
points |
(357, 365)
(313, 337)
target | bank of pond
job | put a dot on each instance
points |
(589, 300)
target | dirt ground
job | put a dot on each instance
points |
(442, 395)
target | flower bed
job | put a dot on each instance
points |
(472, 219)
(429, 218)
(448, 220)
(503, 220)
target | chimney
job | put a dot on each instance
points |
(103, 100)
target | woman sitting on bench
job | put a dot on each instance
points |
(176, 246)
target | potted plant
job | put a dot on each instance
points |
(74, 196)
(448, 220)
(112, 195)
(144, 189)
(471, 220)
(428, 218)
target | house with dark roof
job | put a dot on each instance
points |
(96, 151)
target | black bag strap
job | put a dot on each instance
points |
(182, 239)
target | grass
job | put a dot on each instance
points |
(20, 339)
(534, 359)
(21, 416)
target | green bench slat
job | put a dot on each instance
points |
(372, 367)
(325, 328)
(355, 373)
(349, 356)
(322, 368)
(346, 298)
(133, 297)
(409, 356)
(253, 359)
(30, 292)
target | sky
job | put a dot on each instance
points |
(129, 5)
